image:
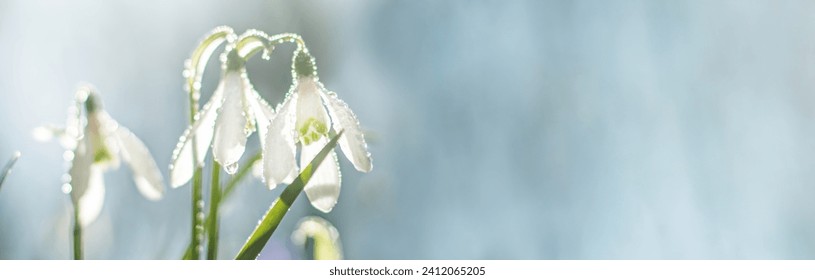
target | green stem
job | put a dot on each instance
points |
(267, 226)
(194, 73)
(212, 219)
(77, 233)
(197, 216)
(252, 41)
(245, 169)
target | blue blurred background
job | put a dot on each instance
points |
(498, 129)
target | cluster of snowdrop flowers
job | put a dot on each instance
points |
(95, 144)
(305, 119)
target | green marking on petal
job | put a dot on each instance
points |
(102, 155)
(311, 130)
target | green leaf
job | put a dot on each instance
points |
(260, 236)
(7, 169)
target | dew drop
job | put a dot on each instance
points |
(231, 168)
(267, 53)
(66, 188)
(68, 155)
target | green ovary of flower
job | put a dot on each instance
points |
(311, 131)
(101, 155)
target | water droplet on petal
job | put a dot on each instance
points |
(66, 188)
(267, 53)
(231, 168)
(68, 155)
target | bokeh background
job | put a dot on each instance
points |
(499, 129)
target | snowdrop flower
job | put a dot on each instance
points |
(305, 117)
(95, 145)
(327, 245)
(234, 111)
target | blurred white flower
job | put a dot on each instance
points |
(94, 145)
(305, 117)
(234, 111)
(327, 245)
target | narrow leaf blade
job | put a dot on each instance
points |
(260, 236)
(7, 169)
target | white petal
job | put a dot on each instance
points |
(91, 202)
(181, 167)
(352, 141)
(80, 171)
(257, 170)
(101, 130)
(73, 125)
(279, 165)
(145, 171)
(230, 135)
(46, 133)
(323, 188)
(310, 106)
(263, 113)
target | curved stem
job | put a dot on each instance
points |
(194, 73)
(253, 41)
(194, 67)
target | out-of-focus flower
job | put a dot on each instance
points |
(234, 111)
(327, 245)
(305, 117)
(94, 145)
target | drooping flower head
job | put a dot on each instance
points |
(95, 144)
(234, 112)
(306, 117)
